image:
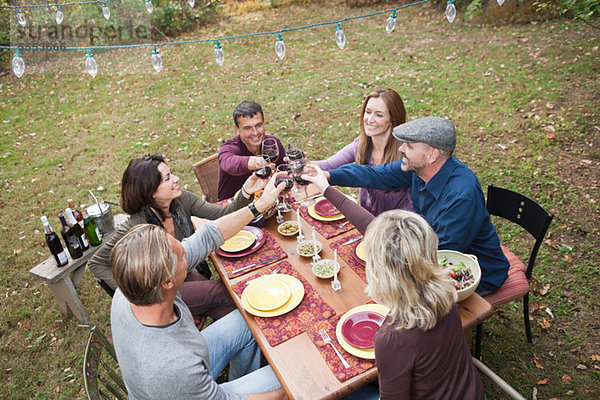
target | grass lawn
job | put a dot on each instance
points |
(524, 99)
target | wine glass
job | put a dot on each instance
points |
(283, 206)
(270, 150)
(294, 152)
(264, 172)
(297, 168)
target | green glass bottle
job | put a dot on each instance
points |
(91, 231)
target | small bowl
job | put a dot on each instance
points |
(306, 248)
(288, 228)
(324, 268)
(455, 257)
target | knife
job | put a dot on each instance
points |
(268, 260)
(314, 196)
(352, 240)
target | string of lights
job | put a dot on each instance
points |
(59, 16)
(18, 64)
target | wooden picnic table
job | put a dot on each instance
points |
(299, 365)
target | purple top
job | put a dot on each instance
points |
(374, 200)
(233, 165)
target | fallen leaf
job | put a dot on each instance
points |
(566, 379)
(544, 290)
(544, 324)
(550, 136)
(595, 357)
(537, 362)
(543, 381)
(16, 252)
(57, 389)
(568, 258)
(549, 312)
(581, 367)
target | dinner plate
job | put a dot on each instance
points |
(324, 208)
(296, 296)
(359, 329)
(260, 240)
(315, 215)
(359, 254)
(238, 242)
(268, 294)
(368, 354)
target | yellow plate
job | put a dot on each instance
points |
(268, 294)
(360, 252)
(368, 354)
(241, 241)
(296, 296)
(317, 216)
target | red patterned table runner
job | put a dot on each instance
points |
(347, 254)
(357, 365)
(312, 308)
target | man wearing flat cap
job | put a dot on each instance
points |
(443, 190)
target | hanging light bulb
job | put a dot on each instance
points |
(18, 65)
(500, 2)
(219, 54)
(450, 11)
(156, 60)
(340, 36)
(191, 3)
(149, 6)
(21, 18)
(105, 11)
(279, 47)
(59, 15)
(90, 64)
(390, 24)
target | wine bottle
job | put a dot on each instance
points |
(77, 229)
(70, 239)
(91, 231)
(76, 213)
(53, 242)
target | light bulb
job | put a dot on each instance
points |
(500, 2)
(191, 3)
(90, 64)
(18, 65)
(450, 11)
(105, 11)
(279, 47)
(59, 16)
(21, 18)
(219, 54)
(390, 24)
(149, 6)
(340, 37)
(156, 60)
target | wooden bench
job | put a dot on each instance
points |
(64, 281)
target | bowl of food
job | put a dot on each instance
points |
(306, 248)
(288, 228)
(463, 270)
(325, 268)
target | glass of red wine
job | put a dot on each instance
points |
(294, 152)
(270, 150)
(297, 168)
(283, 205)
(263, 172)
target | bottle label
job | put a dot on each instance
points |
(84, 240)
(62, 257)
(74, 242)
(98, 234)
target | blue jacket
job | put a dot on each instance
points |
(452, 202)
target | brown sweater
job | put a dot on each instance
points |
(190, 203)
(433, 364)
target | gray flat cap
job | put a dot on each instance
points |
(435, 131)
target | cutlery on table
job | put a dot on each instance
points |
(276, 270)
(327, 340)
(268, 260)
(343, 224)
(314, 196)
(352, 240)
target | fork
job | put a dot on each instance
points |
(276, 270)
(343, 224)
(327, 340)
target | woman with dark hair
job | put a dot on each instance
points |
(150, 194)
(382, 110)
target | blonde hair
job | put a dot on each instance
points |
(397, 113)
(403, 272)
(141, 262)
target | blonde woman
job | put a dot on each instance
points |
(420, 349)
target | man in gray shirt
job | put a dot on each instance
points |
(161, 353)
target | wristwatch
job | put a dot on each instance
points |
(255, 212)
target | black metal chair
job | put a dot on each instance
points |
(107, 288)
(532, 217)
(100, 374)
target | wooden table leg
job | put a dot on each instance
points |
(67, 299)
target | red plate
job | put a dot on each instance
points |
(325, 208)
(260, 240)
(359, 329)
(356, 257)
